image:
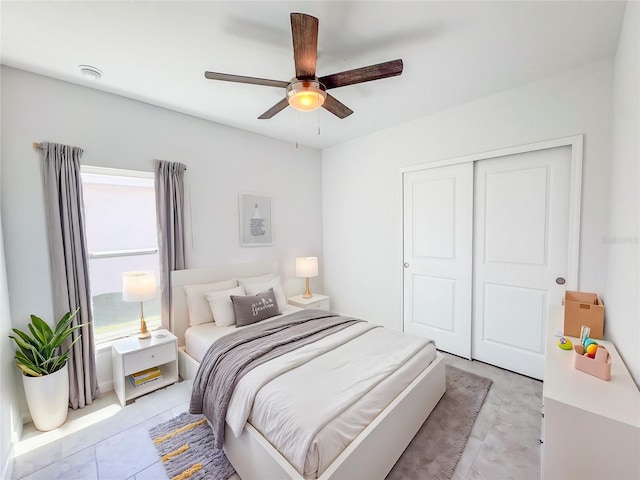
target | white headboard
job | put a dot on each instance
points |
(180, 278)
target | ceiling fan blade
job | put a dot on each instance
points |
(278, 107)
(336, 107)
(363, 74)
(304, 30)
(225, 77)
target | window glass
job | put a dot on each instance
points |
(120, 219)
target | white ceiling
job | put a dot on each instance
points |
(453, 52)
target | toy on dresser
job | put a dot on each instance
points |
(591, 358)
(565, 343)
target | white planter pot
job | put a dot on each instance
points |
(48, 399)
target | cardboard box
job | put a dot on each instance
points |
(582, 308)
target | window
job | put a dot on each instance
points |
(120, 219)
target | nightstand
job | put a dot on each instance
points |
(131, 355)
(321, 302)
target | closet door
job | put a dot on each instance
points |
(438, 222)
(520, 255)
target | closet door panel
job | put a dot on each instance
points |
(520, 247)
(438, 221)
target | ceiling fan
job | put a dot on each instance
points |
(306, 91)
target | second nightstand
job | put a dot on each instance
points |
(321, 302)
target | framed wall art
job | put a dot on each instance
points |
(256, 229)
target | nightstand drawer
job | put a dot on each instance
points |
(150, 357)
(317, 301)
(320, 305)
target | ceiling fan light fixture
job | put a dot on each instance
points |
(306, 95)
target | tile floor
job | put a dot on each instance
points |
(107, 442)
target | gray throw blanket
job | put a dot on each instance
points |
(233, 355)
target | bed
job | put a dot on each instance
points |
(370, 454)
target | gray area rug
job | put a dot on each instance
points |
(437, 447)
(184, 443)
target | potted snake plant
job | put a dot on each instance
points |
(43, 361)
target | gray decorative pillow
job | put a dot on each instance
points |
(254, 308)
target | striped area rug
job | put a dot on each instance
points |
(185, 445)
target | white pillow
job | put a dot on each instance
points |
(276, 284)
(199, 311)
(222, 307)
(258, 279)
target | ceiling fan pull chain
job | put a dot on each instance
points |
(318, 110)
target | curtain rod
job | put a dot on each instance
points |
(36, 146)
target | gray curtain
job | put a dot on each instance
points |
(69, 263)
(169, 183)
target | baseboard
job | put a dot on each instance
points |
(25, 418)
(7, 468)
(105, 386)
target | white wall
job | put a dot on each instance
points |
(9, 409)
(122, 133)
(622, 313)
(361, 206)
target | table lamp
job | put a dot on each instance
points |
(138, 287)
(307, 267)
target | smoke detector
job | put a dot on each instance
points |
(90, 72)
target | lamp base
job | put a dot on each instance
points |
(307, 293)
(144, 333)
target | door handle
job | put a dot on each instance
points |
(406, 264)
(560, 281)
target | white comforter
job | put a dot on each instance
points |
(311, 416)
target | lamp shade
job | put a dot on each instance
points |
(138, 286)
(307, 267)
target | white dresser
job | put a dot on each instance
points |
(591, 427)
